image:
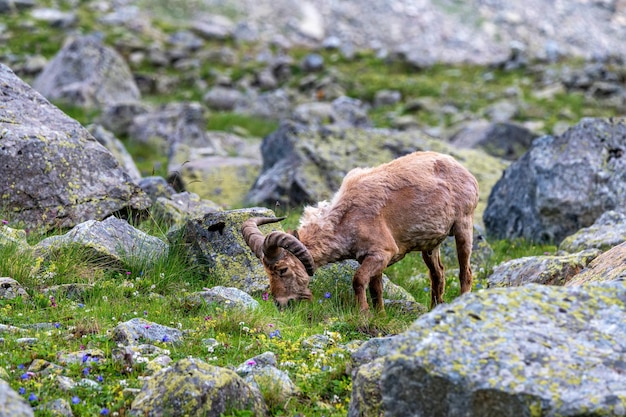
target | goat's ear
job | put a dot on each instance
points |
(295, 234)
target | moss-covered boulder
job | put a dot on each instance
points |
(606, 232)
(215, 242)
(528, 351)
(610, 266)
(13, 405)
(191, 388)
(112, 242)
(562, 184)
(54, 173)
(547, 270)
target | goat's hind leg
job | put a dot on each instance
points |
(432, 259)
(463, 235)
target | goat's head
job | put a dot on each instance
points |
(286, 260)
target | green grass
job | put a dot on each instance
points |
(159, 293)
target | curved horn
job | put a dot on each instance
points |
(253, 236)
(276, 240)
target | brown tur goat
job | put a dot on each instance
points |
(378, 215)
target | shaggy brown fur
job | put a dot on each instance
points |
(379, 215)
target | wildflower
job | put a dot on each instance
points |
(128, 272)
(20, 366)
(275, 334)
(104, 412)
(426, 289)
(207, 318)
(327, 295)
(165, 339)
(86, 371)
(81, 305)
(100, 378)
(27, 375)
(52, 302)
(32, 397)
(22, 391)
(85, 358)
(5, 221)
(266, 296)
(57, 325)
(251, 362)
(75, 400)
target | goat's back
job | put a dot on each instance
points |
(430, 178)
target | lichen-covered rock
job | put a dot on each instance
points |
(532, 351)
(561, 184)
(136, 330)
(10, 288)
(609, 266)
(10, 236)
(113, 240)
(13, 405)
(261, 372)
(180, 207)
(87, 73)
(225, 297)
(606, 232)
(215, 242)
(547, 270)
(191, 388)
(223, 180)
(304, 164)
(117, 148)
(54, 173)
(503, 140)
(336, 279)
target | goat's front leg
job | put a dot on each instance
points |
(370, 274)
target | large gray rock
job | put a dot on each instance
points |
(532, 351)
(87, 73)
(561, 184)
(54, 173)
(191, 387)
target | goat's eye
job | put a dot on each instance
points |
(283, 271)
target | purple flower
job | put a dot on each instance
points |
(327, 295)
(5, 221)
(32, 397)
(165, 338)
(275, 333)
(251, 362)
(104, 412)
(86, 371)
(20, 366)
(75, 400)
(81, 305)
(57, 325)
(85, 358)
(99, 378)
(266, 296)
(22, 390)
(145, 313)
(26, 375)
